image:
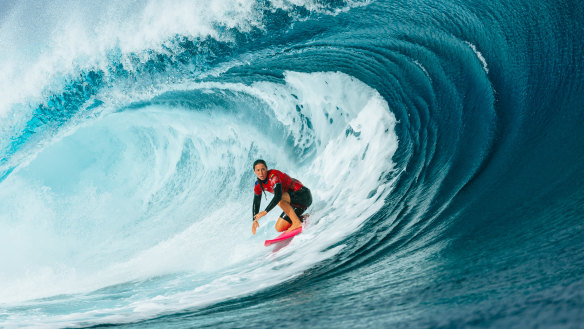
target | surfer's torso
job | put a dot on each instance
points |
(275, 177)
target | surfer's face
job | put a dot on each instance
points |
(261, 171)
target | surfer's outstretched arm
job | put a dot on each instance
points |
(257, 200)
(276, 200)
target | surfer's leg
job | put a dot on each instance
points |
(289, 210)
(284, 221)
(282, 224)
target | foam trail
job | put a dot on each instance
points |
(479, 56)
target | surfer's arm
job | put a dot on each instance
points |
(257, 200)
(277, 188)
(277, 197)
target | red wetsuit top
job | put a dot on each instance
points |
(275, 177)
(277, 182)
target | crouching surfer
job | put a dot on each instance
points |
(293, 197)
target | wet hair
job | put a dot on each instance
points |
(255, 163)
(258, 161)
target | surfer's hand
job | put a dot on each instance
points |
(260, 215)
(254, 226)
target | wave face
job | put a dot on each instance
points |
(442, 141)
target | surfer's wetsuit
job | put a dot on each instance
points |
(277, 183)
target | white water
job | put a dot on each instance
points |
(45, 45)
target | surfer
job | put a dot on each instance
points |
(293, 197)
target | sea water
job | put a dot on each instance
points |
(441, 140)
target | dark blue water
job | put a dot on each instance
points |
(444, 142)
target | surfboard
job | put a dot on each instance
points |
(283, 237)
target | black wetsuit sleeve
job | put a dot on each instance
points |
(257, 200)
(277, 197)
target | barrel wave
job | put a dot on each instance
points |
(442, 142)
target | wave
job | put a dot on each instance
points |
(425, 131)
(138, 193)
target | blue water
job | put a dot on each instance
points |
(443, 142)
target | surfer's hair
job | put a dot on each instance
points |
(258, 161)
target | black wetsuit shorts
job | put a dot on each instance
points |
(300, 201)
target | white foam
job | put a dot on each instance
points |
(479, 56)
(45, 46)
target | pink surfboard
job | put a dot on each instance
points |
(284, 236)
